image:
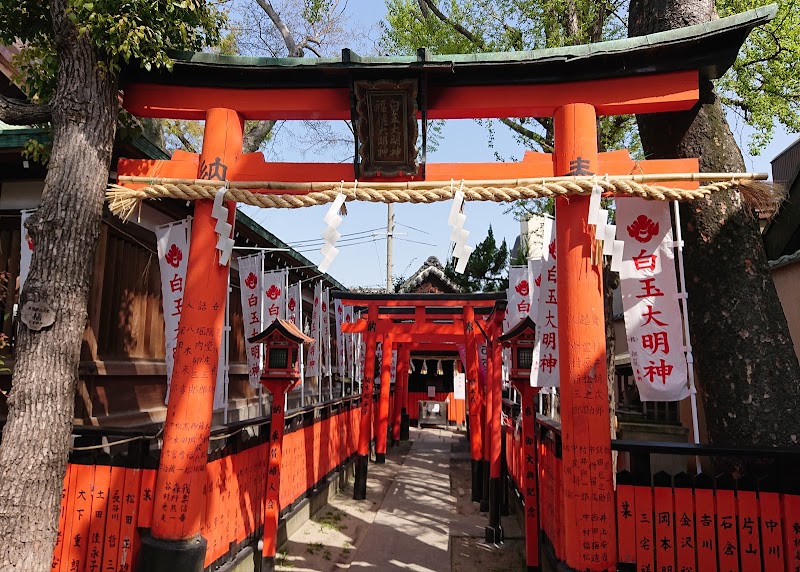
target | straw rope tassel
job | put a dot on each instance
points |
(124, 201)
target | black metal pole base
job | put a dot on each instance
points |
(267, 564)
(380, 458)
(159, 555)
(405, 422)
(494, 534)
(477, 480)
(360, 484)
(485, 479)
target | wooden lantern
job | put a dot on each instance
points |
(521, 339)
(281, 341)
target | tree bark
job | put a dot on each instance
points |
(36, 437)
(749, 373)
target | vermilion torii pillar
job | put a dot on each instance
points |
(529, 479)
(400, 389)
(382, 418)
(586, 434)
(365, 426)
(176, 542)
(474, 401)
(494, 392)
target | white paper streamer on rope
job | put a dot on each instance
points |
(172, 243)
(459, 236)
(332, 220)
(25, 248)
(251, 289)
(545, 370)
(653, 321)
(223, 228)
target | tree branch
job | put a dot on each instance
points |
(455, 25)
(291, 45)
(525, 132)
(18, 112)
(256, 135)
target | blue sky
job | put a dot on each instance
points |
(364, 264)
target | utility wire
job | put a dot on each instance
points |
(412, 228)
(301, 242)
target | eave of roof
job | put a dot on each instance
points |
(710, 48)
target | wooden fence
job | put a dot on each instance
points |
(680, 523)
(105, 503)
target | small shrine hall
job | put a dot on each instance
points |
(583, 501)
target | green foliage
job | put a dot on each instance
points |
(487, 268)
(763, 86)
(121, 31)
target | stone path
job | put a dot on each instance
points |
(418, 516)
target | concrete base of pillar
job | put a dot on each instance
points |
(360, 483)
(159, 555)
(380, 458)
(477, 480)
(494, 534)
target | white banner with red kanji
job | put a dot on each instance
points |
(313, 363)
(325, 328)
(519, 295)
(172, 243)
(294, 305)
(653, 321)
(545, 370)
(349, 344)
(275, 285)
(251, 290)
(341, 349)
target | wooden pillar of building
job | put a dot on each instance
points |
(400, 387)
(175, 542)
(382, 419)
(473, 401)
(272, 504)
(494, 532)
(365, 425)
(528, 474)
(588, 486)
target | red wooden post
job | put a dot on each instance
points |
(362, 462)
(488, 408)
(494, 382)
(528, 481)
(473, 401)
(272, 504)
(400, 385)
(588, 483)
(176, 538)
(382, 419)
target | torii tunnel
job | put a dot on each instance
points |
(572, 503)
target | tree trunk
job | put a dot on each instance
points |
(749, 373)
(36, 437)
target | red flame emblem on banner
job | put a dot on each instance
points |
(347, 318)
(324, 307)
(538, 280)
(273, 292)
(340, 309)
(292, 304)
(174, 256)
(251, 281)
(522, 288)
(552, 249)
(643, 229)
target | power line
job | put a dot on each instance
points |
(412, 228)
(417, 242)
(341, 245)
(344, 236)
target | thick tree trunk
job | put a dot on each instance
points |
(36, 438)
(749, 373)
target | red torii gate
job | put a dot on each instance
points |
(660, 73)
